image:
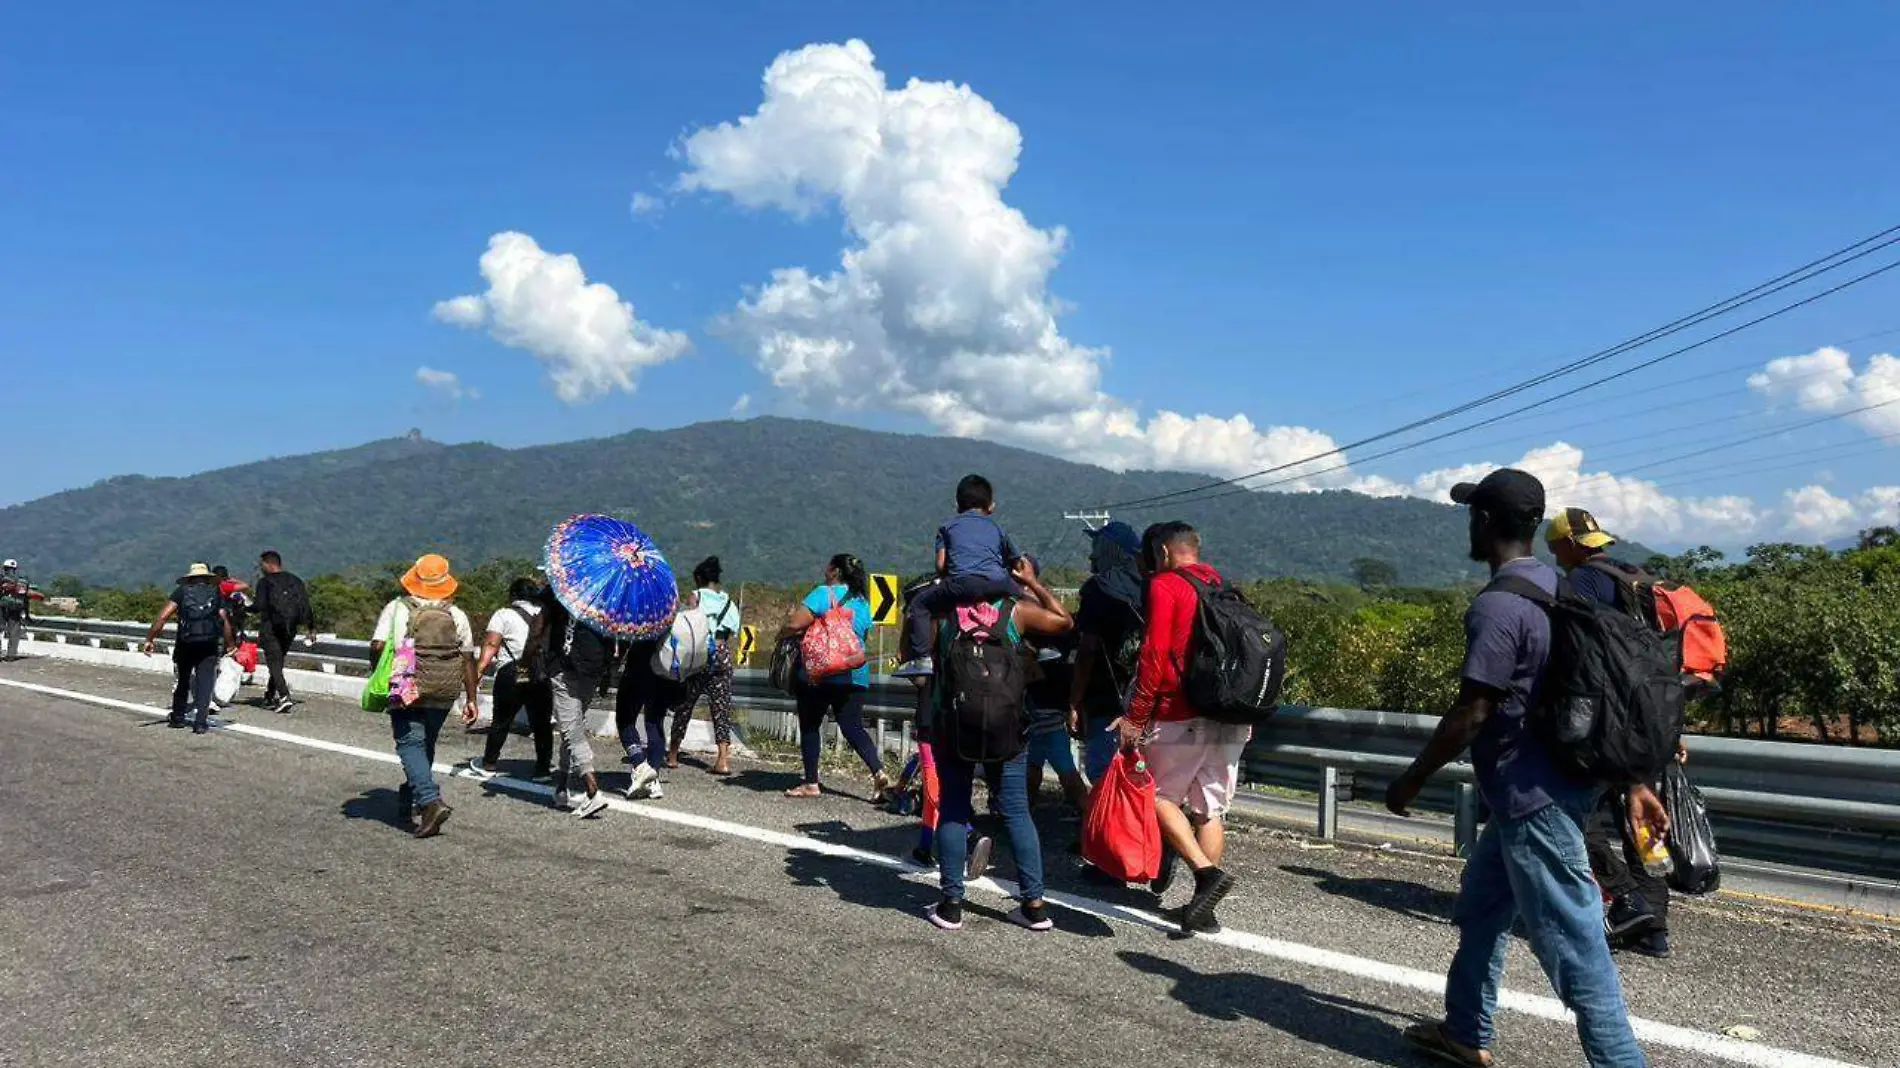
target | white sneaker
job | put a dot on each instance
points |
(654, 792)
(590, 807)
(562, 799)
(475, 769)
(646, 782)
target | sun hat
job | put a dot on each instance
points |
(429, 578)
(196, 571)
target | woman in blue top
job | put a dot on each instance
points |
(840, 695)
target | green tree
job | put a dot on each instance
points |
(1373, 574)
(66, 586)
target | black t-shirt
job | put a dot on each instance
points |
(1111, 621)
(1049, 683)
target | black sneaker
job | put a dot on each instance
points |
(1160, 883)
(924, 857)
(1654, 944)
(1630, 917)
(947, 915)
(176, 723)
(1208, 923)
(1210, 886)
(1033, 917)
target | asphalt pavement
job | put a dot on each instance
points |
(242, 898)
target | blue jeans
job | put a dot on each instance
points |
(1099, 747)
(1053, 749)
(1537, 868)
(956, 776)
(415, 731)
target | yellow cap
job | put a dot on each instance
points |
(1579, 526)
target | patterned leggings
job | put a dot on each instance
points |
(715, 683)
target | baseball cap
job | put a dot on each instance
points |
(1119, 534)
(1505, 490)
(1579, 526)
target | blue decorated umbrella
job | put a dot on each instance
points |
(612, 577)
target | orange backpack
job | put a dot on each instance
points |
(1671, 606)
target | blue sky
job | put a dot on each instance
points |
(1311, 218)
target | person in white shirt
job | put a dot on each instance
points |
(714, 683)
(515, 686)
(427, 622)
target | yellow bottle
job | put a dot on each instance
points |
(1653, 850)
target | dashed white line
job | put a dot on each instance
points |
(1539, 1006)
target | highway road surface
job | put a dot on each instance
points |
(241, 899)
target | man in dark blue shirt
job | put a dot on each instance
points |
(1530, 860)
(1638, 919)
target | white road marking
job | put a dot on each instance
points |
(1540, 1006)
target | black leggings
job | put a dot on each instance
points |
(512, 694)
(846, 705)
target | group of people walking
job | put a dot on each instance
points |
(1121, 657)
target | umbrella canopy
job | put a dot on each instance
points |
(612, 577)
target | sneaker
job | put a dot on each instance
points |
(947, 915)
(590, 807)
(201, 727)
(914, 669)
(1033, 917)
(1630, 917)
(283, 706)
(542, 778)
(1160, 883)
(644, 781)
(474, 767)
(656, 791)
(563, 800)
(1654, 944)
(175, 722)
(1206, 925)
(979, 863)
(924, 858)
(434, 815)
(1210, 886)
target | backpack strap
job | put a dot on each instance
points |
(1525, 588)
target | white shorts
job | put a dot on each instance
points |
(1196, 763)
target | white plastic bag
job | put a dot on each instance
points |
(230, 677)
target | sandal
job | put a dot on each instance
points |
(880, 788)
(1431, 1040)
(804, 789)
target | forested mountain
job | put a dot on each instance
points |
(773, 497)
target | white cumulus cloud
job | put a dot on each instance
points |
(646, 204)
(1824, 381)
(588, 338)
(940, 304)
(446, 383)
(741, 406)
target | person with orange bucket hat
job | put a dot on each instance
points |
(434, 671)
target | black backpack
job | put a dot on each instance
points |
(1611, 702)
(1236, 658)
(982, 684)
(289, 601)
(198, 619)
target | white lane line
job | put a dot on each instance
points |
(1540, 1006)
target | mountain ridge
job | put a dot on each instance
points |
(772, 497)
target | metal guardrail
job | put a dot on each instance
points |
(1828, 807)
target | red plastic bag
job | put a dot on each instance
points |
(831, 645)
(1120, 836)
(246, 656)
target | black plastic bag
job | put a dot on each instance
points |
(1691, 837)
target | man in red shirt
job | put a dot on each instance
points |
(1195, 761)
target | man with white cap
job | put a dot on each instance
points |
(16, 605)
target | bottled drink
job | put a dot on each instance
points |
(1653, 850)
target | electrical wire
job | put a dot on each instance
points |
(1805, 272)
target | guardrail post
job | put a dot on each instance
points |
(1464, 827)
(1329, 802)
(327, 667)
(880, 736)
(903, 739)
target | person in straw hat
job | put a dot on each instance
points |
(204, 631)
(436, 667)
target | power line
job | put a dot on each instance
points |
(1805, 272)
(1493, 420)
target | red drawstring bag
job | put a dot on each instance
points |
(246, 656)
(831, 645)
(1121, 836)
